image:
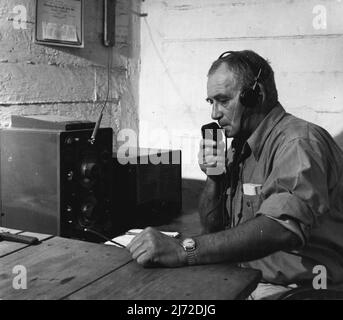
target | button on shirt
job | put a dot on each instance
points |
(294, 175)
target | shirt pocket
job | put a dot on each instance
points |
(251, 204)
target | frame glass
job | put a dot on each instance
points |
(60, 22)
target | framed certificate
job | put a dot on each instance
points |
(60, 22)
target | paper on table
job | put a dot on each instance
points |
(125, 239)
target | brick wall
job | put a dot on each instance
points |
(41, 79)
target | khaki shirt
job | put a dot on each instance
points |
(294, 175)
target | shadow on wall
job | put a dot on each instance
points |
(339, 139)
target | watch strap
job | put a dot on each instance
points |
(191, 257)
(190, 252)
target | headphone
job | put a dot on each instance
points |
(249, 95)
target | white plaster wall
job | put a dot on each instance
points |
(41, 79)
(181, 38)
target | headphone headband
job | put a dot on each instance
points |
(226, 53)
(245, 59)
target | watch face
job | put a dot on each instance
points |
(188, 244)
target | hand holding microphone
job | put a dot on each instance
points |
(211, 156)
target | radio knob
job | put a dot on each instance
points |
(87, 210)
(68, 140)
(70, 175)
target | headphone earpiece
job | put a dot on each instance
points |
(249, 97)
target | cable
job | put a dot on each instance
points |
(109, 67)
(223, 196)
(103, 237)
(223, 192)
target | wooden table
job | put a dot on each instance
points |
(60, 268)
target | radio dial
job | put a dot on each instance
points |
(90, 170)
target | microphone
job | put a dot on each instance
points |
(211, 131)
(100, 235)
(214, 131)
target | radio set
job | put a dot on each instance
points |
(53, 179)
(57, 179)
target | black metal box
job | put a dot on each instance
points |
(146, 187)
(56, 182)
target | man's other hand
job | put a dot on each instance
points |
(151, 247)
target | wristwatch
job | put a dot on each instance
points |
(189, 245)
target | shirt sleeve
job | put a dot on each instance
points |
(296, 189)
(292, 226)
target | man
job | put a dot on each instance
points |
(279, 205)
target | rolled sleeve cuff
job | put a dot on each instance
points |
(287, 206)
(291, 226)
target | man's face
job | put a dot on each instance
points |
(223, 94)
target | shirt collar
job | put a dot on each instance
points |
(260, 135)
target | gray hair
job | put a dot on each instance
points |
(246, 65)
